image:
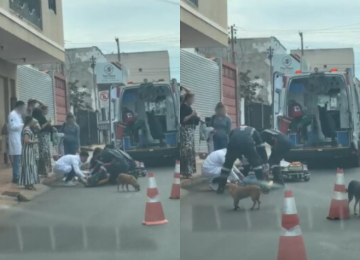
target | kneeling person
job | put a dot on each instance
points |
(212, 166)
(69, 165)
(244, 141)
(280, 146)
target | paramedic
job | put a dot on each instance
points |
(212, 165)
(244, 141)
(280, 146)
(69, 165)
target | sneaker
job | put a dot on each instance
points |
(69, 184)
(214, 186)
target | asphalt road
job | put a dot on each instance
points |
(211, 230)
(78, 223)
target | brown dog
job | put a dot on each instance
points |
(242, 192)
(125, 180)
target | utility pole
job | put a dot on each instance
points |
(270, 57)
(93, 65)
(232, 42)
(302, 49)
(118, 49)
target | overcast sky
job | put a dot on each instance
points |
(141, 25)
(325, 23)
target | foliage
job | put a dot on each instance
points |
(249, 88)
(79, 97)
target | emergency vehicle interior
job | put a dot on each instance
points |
(323, 116)
(152, 104)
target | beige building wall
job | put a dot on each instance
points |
(203, 23)
(327, 59)
(153, 65)
(21, 38)
(26, 40)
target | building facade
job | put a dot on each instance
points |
(80, 66)
(251, 54)
(203, 77)
(327, 59)
(152, 65)
(203, 23)
(31, 32)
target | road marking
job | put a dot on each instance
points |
(217, 217)
(85, 237)
(52, 238)
(278, 217)
(20, 238)
(342, 224)
(310, 216)
(117, 234)
(248, 219)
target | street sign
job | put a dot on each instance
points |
(111, 73)
(104, 99)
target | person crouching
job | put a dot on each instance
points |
(69, 165)
(212, 168)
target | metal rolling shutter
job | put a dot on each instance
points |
(202, 76)
(35, 84)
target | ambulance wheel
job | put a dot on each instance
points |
(306, 179)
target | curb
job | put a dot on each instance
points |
(193, 183)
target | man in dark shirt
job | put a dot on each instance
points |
(280, 146)
(114, 162)
(244, 141)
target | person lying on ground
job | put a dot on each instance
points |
(69, 165)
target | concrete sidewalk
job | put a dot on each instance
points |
(10, 191)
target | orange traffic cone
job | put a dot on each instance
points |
(154, 213)
(339, 207)
(290, 217)
(291, 243)
(175, 190)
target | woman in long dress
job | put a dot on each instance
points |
(29, 175)
(188, 120)
(45, 137)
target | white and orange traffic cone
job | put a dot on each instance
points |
(175, 190)
(339, 207)
(290, 216)
(154, 213)
(291, 243)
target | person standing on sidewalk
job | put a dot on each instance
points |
(189, 119)
(45, 136)
(15, 126)
(71, 132)
(29, 175)
(222, 127)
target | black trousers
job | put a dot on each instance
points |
(248, 150)
(70, 175)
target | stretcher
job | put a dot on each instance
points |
(294, 171)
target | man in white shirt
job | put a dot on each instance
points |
(69, 165)
(15, 127)
(212, 168)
